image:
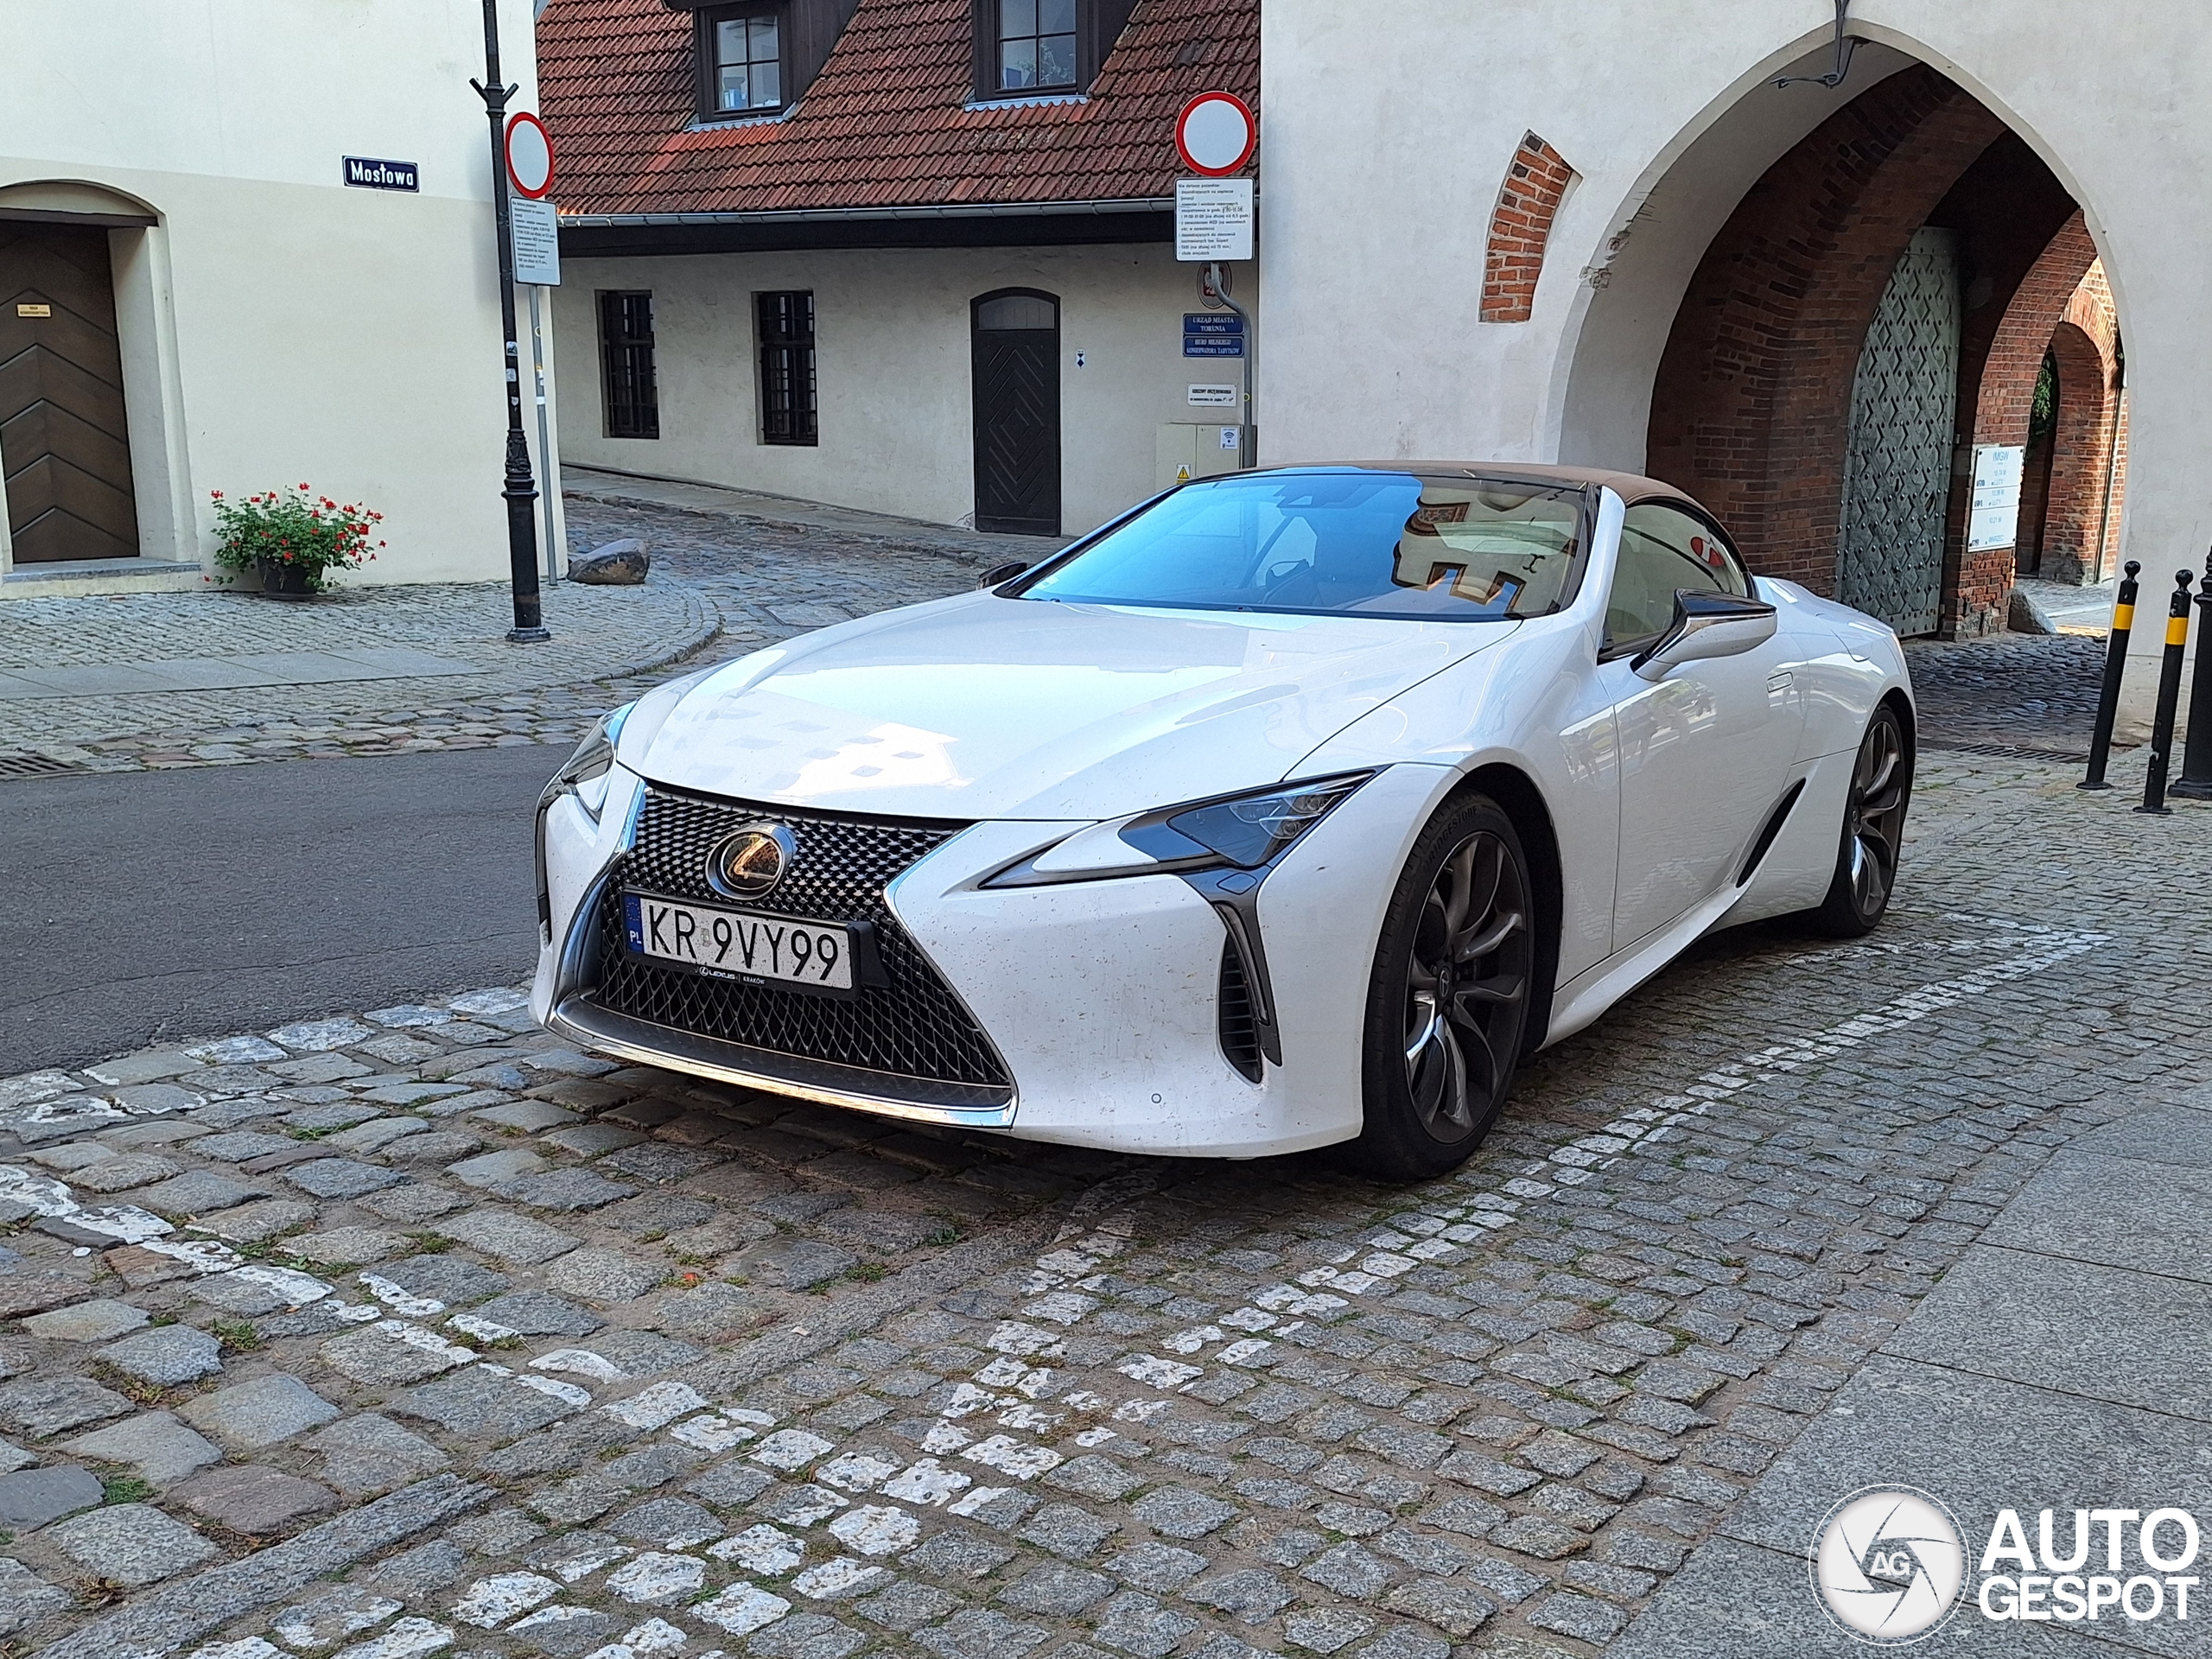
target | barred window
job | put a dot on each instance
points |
(787, 392)
(626, 348)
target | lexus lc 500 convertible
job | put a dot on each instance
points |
(1293, 807)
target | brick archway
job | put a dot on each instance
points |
(1752, 403)
(2081, 518)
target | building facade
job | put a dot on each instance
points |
(254, 249)
(910, 255)
(1911, 301)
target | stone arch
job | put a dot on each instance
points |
(1536, 181)
(77, 201)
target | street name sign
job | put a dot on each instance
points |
(367, 172)
(1205, 334)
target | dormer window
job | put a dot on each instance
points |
(1036, 45)
(742, 57)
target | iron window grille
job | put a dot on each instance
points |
(1036, 41)
(626, 347)
(741, 69)
(788, 412)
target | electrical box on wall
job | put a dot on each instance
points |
(1187, 450)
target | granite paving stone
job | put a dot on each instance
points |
(166, 1356)
(506, 1236)
(95, 1321)
(44, 1405)
(130, 1544)
(154, 1446)
(30, 1498)
(253, 1499)
(247, 1417)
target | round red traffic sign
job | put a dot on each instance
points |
(1216, 134)
(530, 156)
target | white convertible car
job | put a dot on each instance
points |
(1294, 807)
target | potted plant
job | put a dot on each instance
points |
(293, 537)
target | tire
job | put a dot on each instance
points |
(1872, 835)
(1436, 1077)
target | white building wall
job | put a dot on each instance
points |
(892, 331)
(277, 325)
(1385, 148)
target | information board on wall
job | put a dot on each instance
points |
(1212, 334)
(1993, 519)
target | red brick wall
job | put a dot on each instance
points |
(2086, 344)
(1751, 409)
(1535, 181)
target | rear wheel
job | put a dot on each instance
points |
(1874, 832)
(1447, 1005)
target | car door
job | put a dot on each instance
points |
(1704, 750)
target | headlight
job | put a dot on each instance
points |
(584, 773)
(1237, 831)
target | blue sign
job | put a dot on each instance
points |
(1207, 334)
(366, 173)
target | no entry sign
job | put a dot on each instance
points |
(530, 156)
(1216, 134)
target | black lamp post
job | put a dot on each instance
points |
(521, 490)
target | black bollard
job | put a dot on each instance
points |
(2162, 722)
(2123, 623)
(2196, 753)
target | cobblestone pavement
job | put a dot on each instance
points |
(2011, 691)
(722, 586)
(414, 1332)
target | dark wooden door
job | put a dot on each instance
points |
(63, 441)
(1017, 401)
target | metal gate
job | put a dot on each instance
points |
(1897, 475)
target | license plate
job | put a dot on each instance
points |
(733, 942)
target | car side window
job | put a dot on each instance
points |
(1664, 549)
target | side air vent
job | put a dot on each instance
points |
(1239, 1031)
(1779, 816)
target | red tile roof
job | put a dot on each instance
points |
(883, 124)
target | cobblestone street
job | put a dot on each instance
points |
(410, 1330)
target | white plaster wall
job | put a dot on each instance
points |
(347, 337)
(1384, 148)
(892, 332)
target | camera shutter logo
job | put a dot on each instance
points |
(750, 862)
(1888, 1565)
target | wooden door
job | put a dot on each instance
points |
(64, 447)
(1017, 403)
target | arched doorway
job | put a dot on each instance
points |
(1840, 329)
(1017, 412)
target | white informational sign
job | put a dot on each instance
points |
(1214, 397)
(537, 241)
(1995, 517)
(1213, 218)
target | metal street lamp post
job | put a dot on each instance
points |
(520, 490)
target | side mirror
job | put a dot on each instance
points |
(1706, 625)
(1001, 573)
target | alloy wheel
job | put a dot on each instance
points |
(1877, 822)
(1467, 988)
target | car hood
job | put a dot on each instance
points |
(980, 706)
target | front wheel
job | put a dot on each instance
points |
(1874, 832)
(1447, 1005)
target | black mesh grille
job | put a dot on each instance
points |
(1240, 1032)
(914, 1026)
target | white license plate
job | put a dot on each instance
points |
(733, 942)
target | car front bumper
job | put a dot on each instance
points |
(1102, 998)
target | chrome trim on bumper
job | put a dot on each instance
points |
(574, 1017)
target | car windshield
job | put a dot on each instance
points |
(1338, 543)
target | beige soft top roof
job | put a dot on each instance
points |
(1630, 487)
